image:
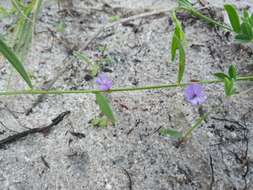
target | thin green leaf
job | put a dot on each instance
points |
(171, 132)
(105, 107)
(177, 44)
(181, 67)
(13, 59)
(221, 76)
(197, 123)
(232, 72)
(233, 17)
(174, 47)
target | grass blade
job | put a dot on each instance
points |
(13, 59)
(233, 17)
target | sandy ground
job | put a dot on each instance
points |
(131, 155)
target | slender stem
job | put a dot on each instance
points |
(206, 18)
(123, 89)
(194, 126)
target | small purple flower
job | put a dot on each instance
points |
(195, 94)
(104, 82)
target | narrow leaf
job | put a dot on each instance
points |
(171, 132)
(233, 17)
(105, 107)
(13, 59)
(232, 72)
(174, 47)
(181, 67)
(220, 76)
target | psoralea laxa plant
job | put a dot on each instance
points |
(194, 92)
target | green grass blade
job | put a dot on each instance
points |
(105, 107)
(13, 59)
(233, 17)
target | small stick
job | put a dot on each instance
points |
(18, 136)
(45, 162)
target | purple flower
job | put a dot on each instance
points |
(104, 82)
(195, 94)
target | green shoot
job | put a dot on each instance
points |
(178, 41)
(197, 123)
(179, 135)
(228, 79)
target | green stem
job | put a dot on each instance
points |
(206, 18)
(194, 126)
(125, 89)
